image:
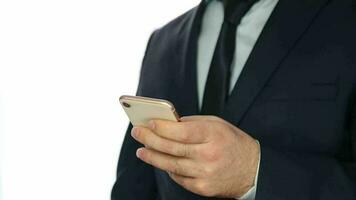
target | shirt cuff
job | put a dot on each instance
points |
(251, 194)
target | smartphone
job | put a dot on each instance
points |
(141, 110)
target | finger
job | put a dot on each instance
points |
(201, 118)
(195, 118)
(153, 141)
(184, 181)
(184, 132)
(210, 118)
(176, 165)
(194, 185)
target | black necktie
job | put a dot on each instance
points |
(218, 81)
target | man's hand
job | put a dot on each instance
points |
(204, 154)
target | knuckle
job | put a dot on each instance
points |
(152, 144)
(209, 171)
(184, 150)
(200, 187)
(185, 136)
(177, 152)
(211, 154)
(190, 131)
(165, 147)
(175, 170)
(177, 167)
(158, 127)
(203, 188)
(150, 141)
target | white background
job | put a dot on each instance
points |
(63, 64)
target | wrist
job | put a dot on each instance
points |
(251, 170)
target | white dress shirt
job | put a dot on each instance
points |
(247, 34)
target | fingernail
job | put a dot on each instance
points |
(139, 153)
(134, 132)
(151, 124)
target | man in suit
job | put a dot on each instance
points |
(268, 88)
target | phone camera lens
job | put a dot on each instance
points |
(126, 105)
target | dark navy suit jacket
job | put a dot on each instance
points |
(296, 95)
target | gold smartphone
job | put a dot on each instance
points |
(141, 110)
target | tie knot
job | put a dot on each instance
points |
(236, 9)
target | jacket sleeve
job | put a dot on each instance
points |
(295, 176)
(135, 179)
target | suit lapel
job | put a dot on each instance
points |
(286, 25)
(186, 79)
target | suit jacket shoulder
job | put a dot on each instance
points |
(164, 55)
